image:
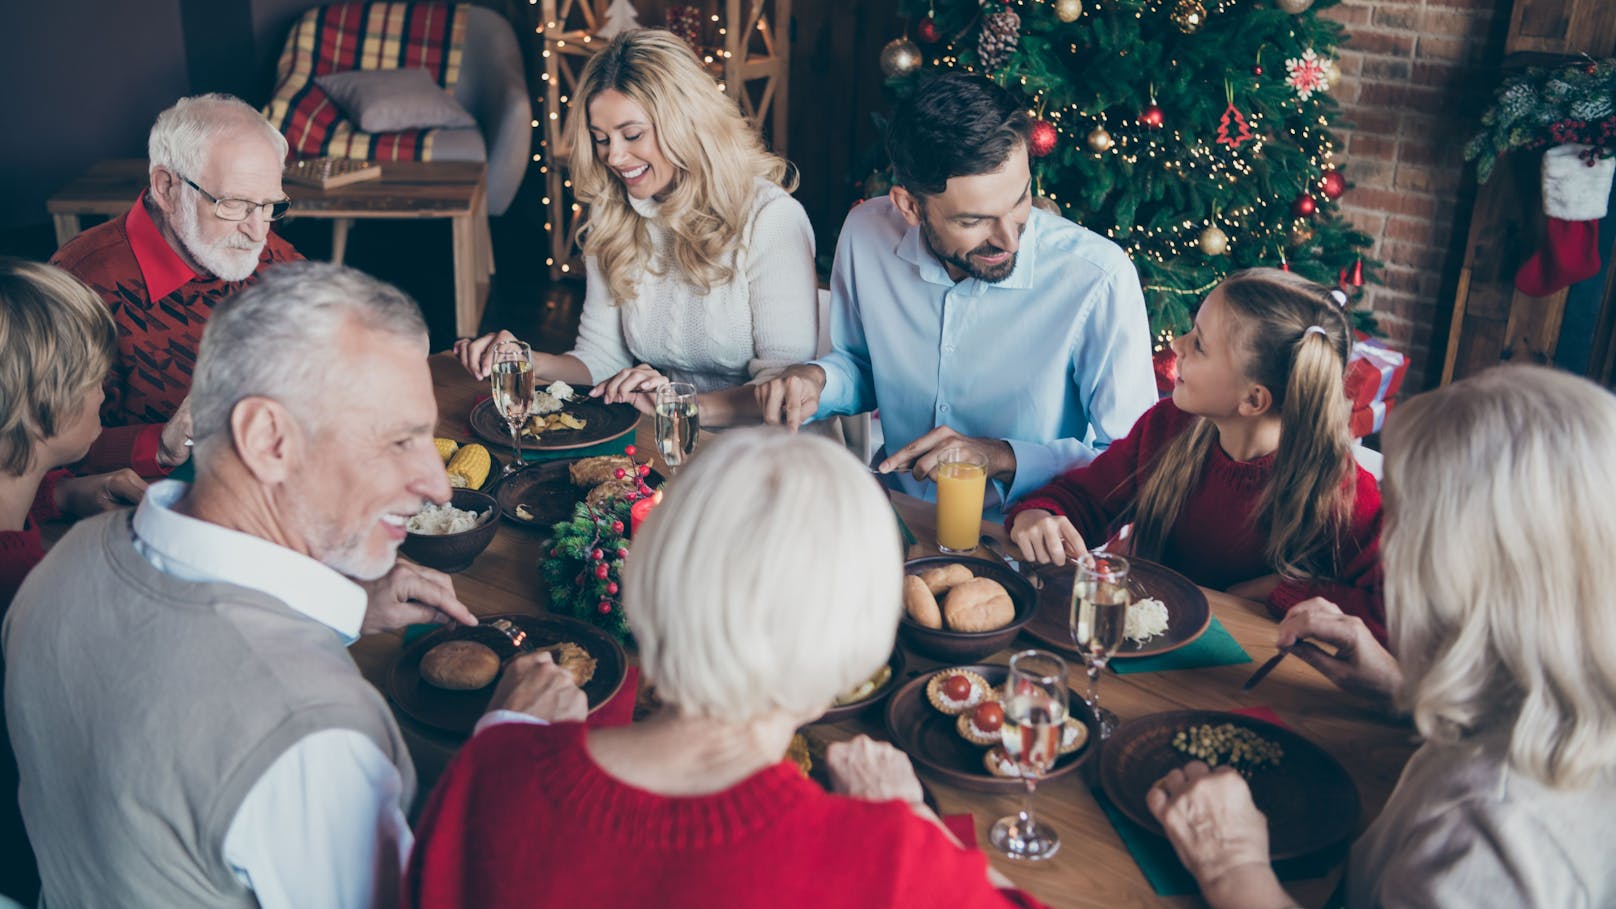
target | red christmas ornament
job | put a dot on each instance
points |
(628, 450)
(1153, 116)
(1284, 263)
(605, 607)
(1355, 279)
(1233, 130)
(1334, 185)
(1256, 70)
(601, 571)
(927, 31)
(1164, 363)
(1304, 206)
(1043, 138)
(611, 588)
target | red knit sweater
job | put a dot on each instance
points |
(1215, 541)
(524, 817)
(161, 307)
(21, 550)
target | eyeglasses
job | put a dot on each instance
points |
(240, 209)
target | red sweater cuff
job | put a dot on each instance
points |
(1352, 600)
(143, 451)
(44, 507)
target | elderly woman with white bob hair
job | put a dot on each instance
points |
(767, 583)
(1500, 588)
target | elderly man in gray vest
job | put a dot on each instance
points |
(189, 727)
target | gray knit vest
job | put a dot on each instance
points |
(143, 708)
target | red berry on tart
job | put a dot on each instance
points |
(980, 725)
(954, 691)
(999, 763)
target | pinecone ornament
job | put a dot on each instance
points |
(1000, 36)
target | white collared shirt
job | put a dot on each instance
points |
(322, 826)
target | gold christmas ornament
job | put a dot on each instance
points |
(899, 58)
(1301, 234)
(1190, 15)
(1099, 140)
(1294, 7)
(1214, 242)
(1068, 10)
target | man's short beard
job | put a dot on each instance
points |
(992, 275)
(226, 260)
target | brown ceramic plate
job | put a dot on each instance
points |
(1310, 800)
(1188, 613)
(930, 738)
(547, 490)
(456, 712)
(602, 423)
(896, 663)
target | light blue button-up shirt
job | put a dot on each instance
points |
(1054, 359)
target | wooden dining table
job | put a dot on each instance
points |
(1093, 867)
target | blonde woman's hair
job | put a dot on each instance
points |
(1499, 551)
(716, 155)
(59, 341)
(1308, 499)
(768, 579)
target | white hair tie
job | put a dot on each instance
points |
(1340, 297)
(1316, 329)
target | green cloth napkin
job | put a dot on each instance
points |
(1217, 647)
(613, 447)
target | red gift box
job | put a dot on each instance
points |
(1368, 420)
(1374, 373)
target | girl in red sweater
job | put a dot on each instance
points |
(1244, 479)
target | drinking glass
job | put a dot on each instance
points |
(1034, 714)
(512, 380)
(962, 477)
(1100, 599)
(676, 422)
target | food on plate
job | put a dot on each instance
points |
(1147, 618)
(576, 660)
(588, 472)
(524, 513)
(954, 691)
(1074, 735)
(981, 724)
(938, 580)
(1227, 743)
(611, 489)
(870, 686)
(999, 764)
(920, 604)
(460, 665)
(446, 448)
(468, 467)
(797, 753)
(551, 399)
(539, 425)
(979, 604)
(437, 520)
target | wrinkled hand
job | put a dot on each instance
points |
(1046, 538)
(175, 447)
(791, 398)
(920, 456)
(873, 771)
(477, 354)
(636, 385)
(1211, 821)
(533, 684)
(411, 594)
(82, 497)
(1359, 665)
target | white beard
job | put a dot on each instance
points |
(234, 258)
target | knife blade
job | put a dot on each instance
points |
(1264, 669)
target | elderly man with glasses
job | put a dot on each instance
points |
(198, 234)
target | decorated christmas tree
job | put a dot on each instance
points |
(1195, 133)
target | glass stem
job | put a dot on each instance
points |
(516, 445)
(1094, 687)
(1027, 822)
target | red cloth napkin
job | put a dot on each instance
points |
(619, 711)
(1264, 714)
(963, 826)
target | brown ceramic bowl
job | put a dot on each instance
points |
(966, 646)
(847, 711)
(455, 551)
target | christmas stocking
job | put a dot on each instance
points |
(1576, 194)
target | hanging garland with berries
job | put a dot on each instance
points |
(584, 567)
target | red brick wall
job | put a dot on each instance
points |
(1415, 76)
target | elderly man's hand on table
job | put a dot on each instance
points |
(533, 684)
(411, 595)
(920, 456)
(1219, 835)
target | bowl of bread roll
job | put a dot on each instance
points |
(960, 609)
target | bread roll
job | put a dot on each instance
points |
(920, 604)
(941, 579)
(460, 665)
(980, 604)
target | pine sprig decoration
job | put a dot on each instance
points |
(584, 568)
(1572, 104)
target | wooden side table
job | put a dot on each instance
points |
(406, 189)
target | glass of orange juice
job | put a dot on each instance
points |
(962, 478)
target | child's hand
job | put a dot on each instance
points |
(1049, 539)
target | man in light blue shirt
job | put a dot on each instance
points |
(971, 318)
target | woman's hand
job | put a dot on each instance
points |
(636, 385)
(873, 771)
(1046, 538)
(1219, 835)
(477, 354)
(1359, 665)
(82, 497)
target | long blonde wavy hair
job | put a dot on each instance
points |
(1308, 499)
(1500, 582)
(716, 156)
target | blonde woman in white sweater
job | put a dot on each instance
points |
(700, 264)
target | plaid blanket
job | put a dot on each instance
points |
(350, 36)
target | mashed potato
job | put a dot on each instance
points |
(551, 399)
(1147, 618)
(436, 520)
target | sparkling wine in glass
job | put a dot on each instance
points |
(512, 381)
(676, 423)
(1035, 703)
(1100, 600)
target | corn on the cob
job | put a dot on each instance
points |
(469, 467)
(446, 448)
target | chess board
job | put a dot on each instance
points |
(326, 173)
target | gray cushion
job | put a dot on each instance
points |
(391, 100)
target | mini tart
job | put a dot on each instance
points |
(999, 763)
(968, 731)
(1074, 735)
(980, 690)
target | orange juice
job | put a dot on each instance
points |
(962, 479)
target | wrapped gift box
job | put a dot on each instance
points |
(1374, 372)
(1367, 421)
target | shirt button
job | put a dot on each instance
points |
(948, 348)
(942, 408)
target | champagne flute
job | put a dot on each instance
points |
(1034, 716)
(1100, 599)
(512, 380)
(676, 422)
